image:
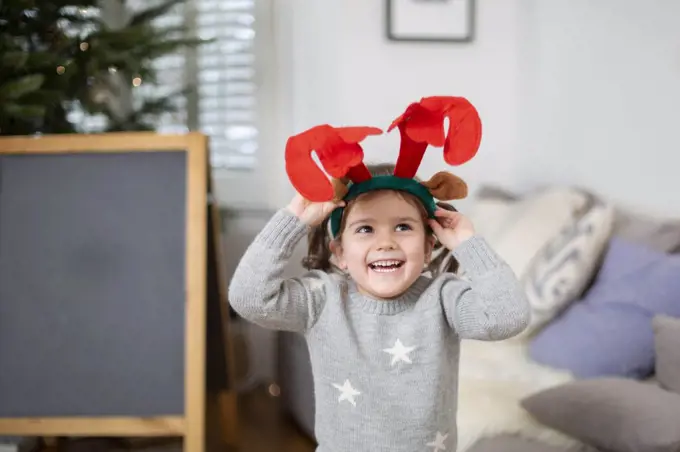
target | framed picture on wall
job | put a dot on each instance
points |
(430, 20)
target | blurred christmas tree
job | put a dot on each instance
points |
(59, 60)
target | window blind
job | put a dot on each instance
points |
(224, 103)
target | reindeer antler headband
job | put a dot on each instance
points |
(420, 126)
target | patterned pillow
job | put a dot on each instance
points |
(553, 239)
(565, 266)
(518, 230)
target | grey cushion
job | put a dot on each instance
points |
(667, 349)
(661, 234)
(494, 192)
(512, 443)
(612, 414)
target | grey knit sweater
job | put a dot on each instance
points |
(385, 372)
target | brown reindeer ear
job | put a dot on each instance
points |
(340, 188)
(446, 186)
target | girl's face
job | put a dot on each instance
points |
(384, 244)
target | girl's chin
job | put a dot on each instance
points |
(387, 285)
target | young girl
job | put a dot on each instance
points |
(384, 330)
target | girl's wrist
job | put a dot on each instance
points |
(460, 238)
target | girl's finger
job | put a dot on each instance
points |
(334, 204)
(445, 213)
(436, 227)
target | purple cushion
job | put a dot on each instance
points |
(609, 331)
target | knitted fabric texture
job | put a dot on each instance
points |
(385, 372)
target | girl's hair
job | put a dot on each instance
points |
(318, 249)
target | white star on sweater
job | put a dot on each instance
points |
(399, 352)
(438, 443)
(347, 392)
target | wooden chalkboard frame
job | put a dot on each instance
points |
(201, 220)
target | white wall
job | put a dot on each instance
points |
(601, 83)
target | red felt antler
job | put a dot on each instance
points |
(339, 152)
(422, 124)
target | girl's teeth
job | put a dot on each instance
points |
(385, 269)
(386, 266)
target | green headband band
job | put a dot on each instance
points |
(411, 186)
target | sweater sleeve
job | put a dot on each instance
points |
(261, 294)
(491, 304)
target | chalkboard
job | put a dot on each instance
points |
(111, 304)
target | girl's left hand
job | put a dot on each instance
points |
(451, 228)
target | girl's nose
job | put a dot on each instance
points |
(386, 242)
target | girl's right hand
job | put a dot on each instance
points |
(312, 213)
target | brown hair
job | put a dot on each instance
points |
(318, 249)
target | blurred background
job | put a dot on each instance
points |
(576, 170)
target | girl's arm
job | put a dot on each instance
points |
(491, 305)
(258, 290)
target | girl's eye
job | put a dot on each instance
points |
(403, 227)
(364, 229)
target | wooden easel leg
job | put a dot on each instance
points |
(221, 418)
(229, 416)
(196, 312)
(224, 399)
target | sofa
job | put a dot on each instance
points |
(598, 368)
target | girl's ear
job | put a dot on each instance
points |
(336, 248)
(429, 246)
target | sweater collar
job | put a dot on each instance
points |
(390, 306)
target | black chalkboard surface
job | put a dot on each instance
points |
(111, 316)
